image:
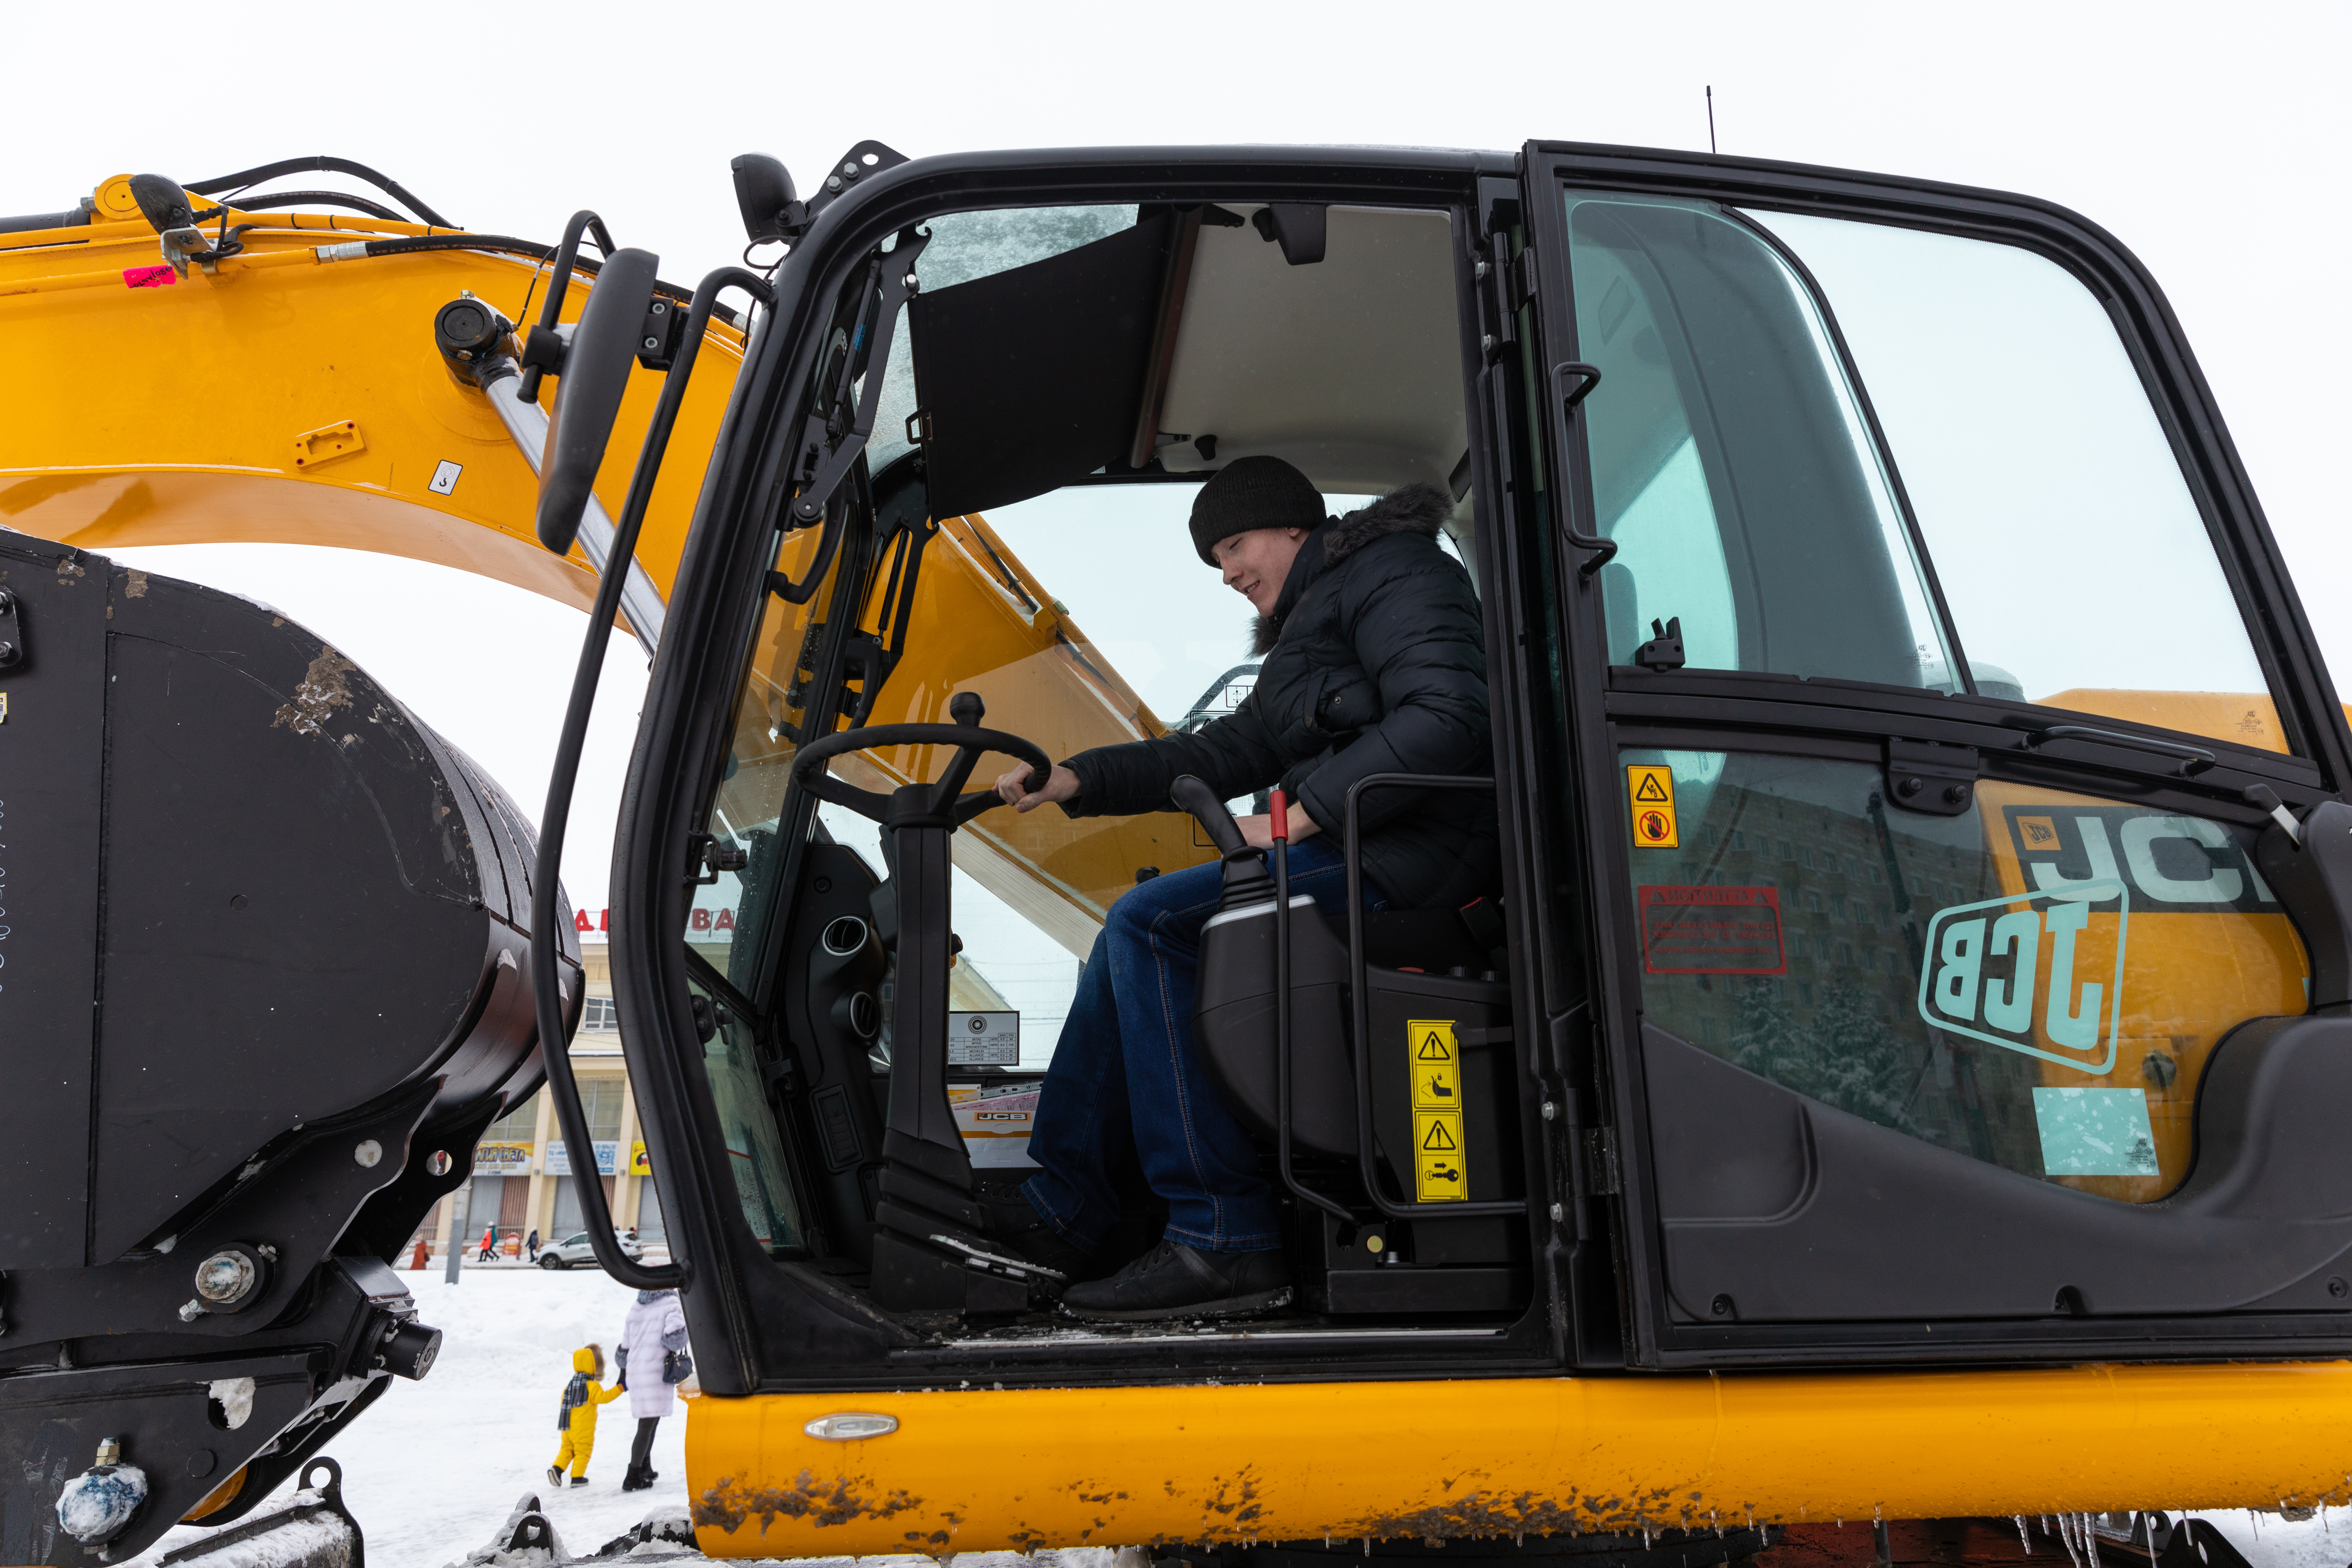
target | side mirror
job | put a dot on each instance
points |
(588, 398)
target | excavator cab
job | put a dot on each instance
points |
(1918, 945)
(1894, 1075)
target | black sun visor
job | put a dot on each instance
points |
(1032, 378)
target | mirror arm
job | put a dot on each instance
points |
(543, 351)
(554, 1038)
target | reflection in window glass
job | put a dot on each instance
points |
(2037, 984)
(2077, 570)
(1730, 460)
(767, 717)
(755, 1151)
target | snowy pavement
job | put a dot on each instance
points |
(433, 1470)
(434, 1466)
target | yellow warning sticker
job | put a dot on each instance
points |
(1439, 1172)
(1437, 1064)
(1651, 792)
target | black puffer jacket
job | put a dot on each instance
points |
(1375, 663)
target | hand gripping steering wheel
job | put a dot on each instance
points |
(934, 805)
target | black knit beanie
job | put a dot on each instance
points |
(1253, 492)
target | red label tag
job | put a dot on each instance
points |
(1712, 930)
(149, 278)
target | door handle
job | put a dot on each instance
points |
(1587, 377)
(2194, 759)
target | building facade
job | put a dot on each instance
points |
(524, 1178)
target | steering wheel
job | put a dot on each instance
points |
(934, 805)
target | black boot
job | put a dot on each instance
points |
(1022, 1231)
(1173, 1280)
(637, 1480)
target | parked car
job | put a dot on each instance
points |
(574, 1248)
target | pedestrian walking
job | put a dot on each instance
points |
(576, 1416)
(654, 1361)
(489, 1243)
(531, 1244)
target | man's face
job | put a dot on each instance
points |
(1257, 563)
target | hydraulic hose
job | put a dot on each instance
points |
(294, 198)
(554, 1039)
(391, 187)
(410, 244)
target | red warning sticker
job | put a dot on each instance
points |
(149, 278)
(1712, 930)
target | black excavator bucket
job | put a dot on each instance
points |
(262, 984)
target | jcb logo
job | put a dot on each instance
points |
(2031, 972)
(2177, 864)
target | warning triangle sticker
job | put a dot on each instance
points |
(1433, 1049)
(1438, 1140)
(1649, 789)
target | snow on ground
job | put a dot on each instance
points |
(2270, 1541)
(434, 1468)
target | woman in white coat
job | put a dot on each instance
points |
(654, 1331)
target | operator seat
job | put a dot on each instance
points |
(1436, 1053)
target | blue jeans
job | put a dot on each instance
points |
(1124, 1073)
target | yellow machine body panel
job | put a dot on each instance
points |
(970, 1470)
(284, 399)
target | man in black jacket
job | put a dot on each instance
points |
(1374, 663)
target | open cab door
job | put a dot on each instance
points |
(1963, 992)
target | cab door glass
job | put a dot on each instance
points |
(755, 1148)
(1731, 463)
(728, 918)
(2037, 983)
(2077, 569)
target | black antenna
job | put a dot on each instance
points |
(1710, 116)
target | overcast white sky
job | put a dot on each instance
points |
(2211, 139)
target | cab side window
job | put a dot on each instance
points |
(1730, 463)
(2077, 569)
(1846, 449)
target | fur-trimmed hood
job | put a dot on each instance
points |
(1415, 509)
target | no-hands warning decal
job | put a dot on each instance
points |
(1650, 794)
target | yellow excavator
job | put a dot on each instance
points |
(1889, 1107)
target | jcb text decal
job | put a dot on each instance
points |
(2028, 973)
(2181, 864)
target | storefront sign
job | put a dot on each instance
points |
(502, 1159)
(559, 1157)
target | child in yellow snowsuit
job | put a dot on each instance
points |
(577, 1417)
